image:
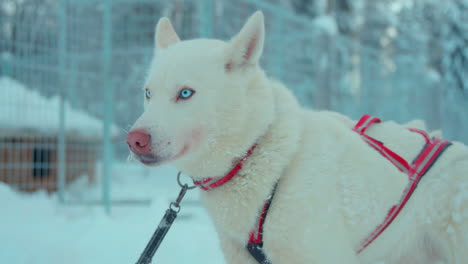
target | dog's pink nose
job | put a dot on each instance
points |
(139, 141)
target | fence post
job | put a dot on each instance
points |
(5, 62)
(61, 144)
(108, 104)
(206, 19)
(72, 82)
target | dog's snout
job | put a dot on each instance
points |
(139, 141)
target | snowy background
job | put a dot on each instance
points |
(396, 59)
(35, 228)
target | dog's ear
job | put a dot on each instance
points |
(165, 35)
(247, 46)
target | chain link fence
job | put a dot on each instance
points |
(71, 73)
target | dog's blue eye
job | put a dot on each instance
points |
(147, 94)
(186, 93)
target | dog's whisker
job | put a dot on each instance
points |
(130, 157)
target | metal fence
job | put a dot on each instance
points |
(71, 74)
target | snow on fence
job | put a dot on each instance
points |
(71, 69)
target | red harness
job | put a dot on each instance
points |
(433, 148)
(255, 243)
(423, 162)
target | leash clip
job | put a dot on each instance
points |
(175, 206)
(164, 224)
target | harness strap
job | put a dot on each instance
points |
(365, 122)
(255, 243)
(362, 125)
(422, 133)
(399, 162)
(432, 150)
(427, 157)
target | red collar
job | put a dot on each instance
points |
(210, 183)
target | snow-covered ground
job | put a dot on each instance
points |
(36, 228)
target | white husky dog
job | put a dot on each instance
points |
(207, 102)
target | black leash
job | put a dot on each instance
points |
(164, 225)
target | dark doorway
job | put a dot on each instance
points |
(41, 162)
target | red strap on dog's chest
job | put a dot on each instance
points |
(255, 243)
(426, 158)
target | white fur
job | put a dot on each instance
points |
(333, 188)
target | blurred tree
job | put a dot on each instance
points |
(28, 21)
(445, 24)
(310, 8)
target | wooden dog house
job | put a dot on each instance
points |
(29, 136)
(30, 161)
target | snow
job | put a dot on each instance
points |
(327, 24)
(36, 228)
(8, 7)
(25, 109)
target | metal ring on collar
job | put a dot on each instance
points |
(182, 185)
